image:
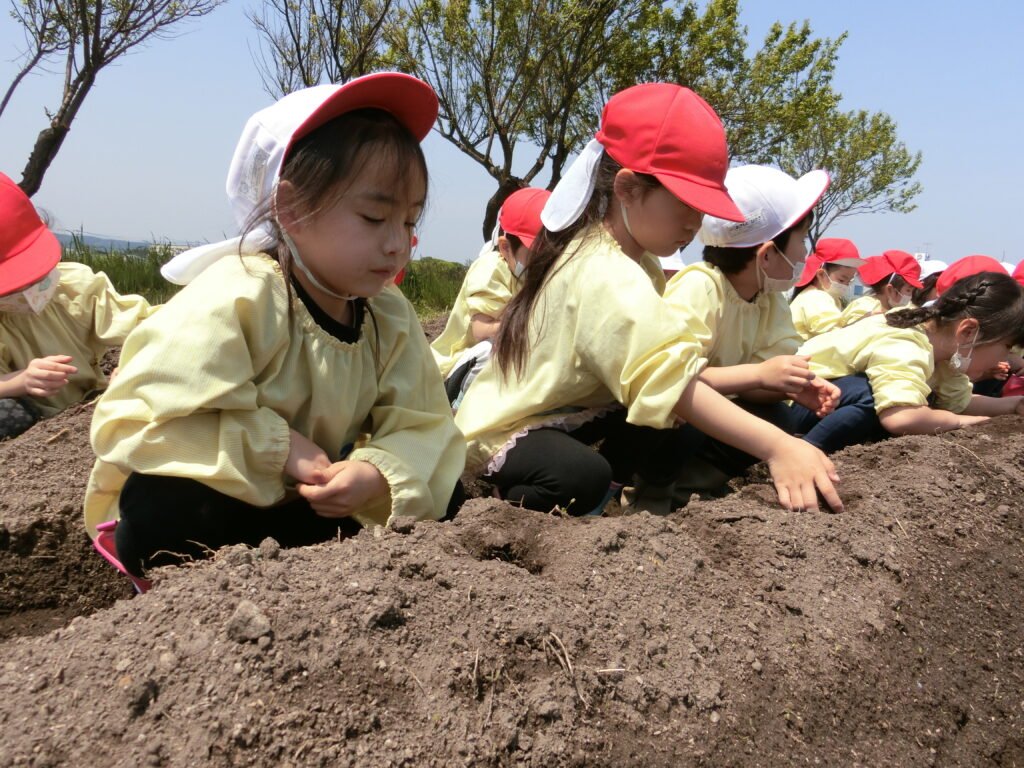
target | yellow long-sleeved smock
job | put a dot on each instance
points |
(899, 363)
(860, 307)
(814, 311)
(85, 317)
(730, 329)
(599, 335)
(209, 387)
(486, 289)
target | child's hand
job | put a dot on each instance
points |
(820, 396)
(786, 373)
(799, 471)
(45, 376)
(1001, 372)
(345, 487)
(305, 459)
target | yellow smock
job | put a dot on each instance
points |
(730, 329)
(899, 363)
(814, 311)
(487, 288)
(209, 387)
(599, 335)
(85, 317)
(860, 307)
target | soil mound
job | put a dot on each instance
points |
(729, 633)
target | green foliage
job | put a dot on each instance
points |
(135, 271)
(872, 170)
(432, 285)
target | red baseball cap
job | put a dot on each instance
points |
(520, 214)
(1018, 273)
(830, 250)
(901, 263)
(671, 133)
(28, 249)
(965, 267)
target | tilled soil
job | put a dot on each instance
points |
(729, 633)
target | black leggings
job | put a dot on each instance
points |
(169, 520)
(550, 467)
(16, 415)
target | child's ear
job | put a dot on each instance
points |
(966, 330)
(763, 252)
(505, 249)
(626, 186)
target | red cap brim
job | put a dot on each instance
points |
(410, 100)
(714, 201)
(30, 265)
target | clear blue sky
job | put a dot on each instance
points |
(147, 156)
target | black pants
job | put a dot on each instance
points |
(730, 460)
(16, 415)
(854, 420)
(989, 387)
(551, 467)
(169, 520)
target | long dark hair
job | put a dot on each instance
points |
(512, 344)
(994, 299)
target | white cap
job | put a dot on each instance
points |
(269, 134)
(1008, 267)
(931, 266)
(771, 201)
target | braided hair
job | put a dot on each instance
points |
(994, 299)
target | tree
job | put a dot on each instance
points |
(43, 34)
(514, 73)
(319, 41)
(97, 33)
(872, 170)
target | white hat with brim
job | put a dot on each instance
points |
(270, 133)
(932, 267)
(771, 200)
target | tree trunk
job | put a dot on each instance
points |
(505, 188)
(49, 141)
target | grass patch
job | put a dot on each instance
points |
(430, 284)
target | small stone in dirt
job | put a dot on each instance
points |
(237, 555)
(756, 666)
(167, 662)
(140, 696)
(264, 642)
(269, 549)
(247, 623)
(402, 524)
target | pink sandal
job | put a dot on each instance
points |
(105, 545)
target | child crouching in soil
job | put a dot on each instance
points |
(919, 364)
(287, 347)
(57, 319)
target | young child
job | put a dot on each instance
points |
(733, 302)
(891, 279)
(930, 272)
(588, 350)
(288, 346)
(919, 363)
(464, 345)
(57, 319)
(825, 287)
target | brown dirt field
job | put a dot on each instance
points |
(729, 633)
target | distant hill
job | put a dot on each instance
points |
(101, 243)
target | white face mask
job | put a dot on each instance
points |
(841, 291)
(33, 299)
(902, 301)
(769, 284)
(518, 269)
(960, 363)
(305, 270)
